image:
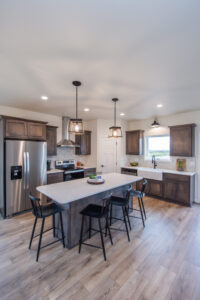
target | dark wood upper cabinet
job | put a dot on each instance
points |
(15, 128)
(51, 140)
(134, 142)
(84, 141)
(36, 131)
(182, 140)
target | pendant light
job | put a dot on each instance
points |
(155, 124)
(76, 125)
(115, 131)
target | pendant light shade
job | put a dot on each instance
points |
(76, 125)
(155, 124)
(115, 131)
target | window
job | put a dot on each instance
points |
(157, 145)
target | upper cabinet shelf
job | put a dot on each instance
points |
(182, 140)
(134, 142)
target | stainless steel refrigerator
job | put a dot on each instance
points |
(25, 169)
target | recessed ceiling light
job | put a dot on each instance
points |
(159, 105)
(122, 114)
(86, 109)
(45, 98)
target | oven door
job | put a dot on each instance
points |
(74, 175)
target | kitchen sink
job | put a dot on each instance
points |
(150, 173)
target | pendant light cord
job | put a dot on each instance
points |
(115, 114)
(76, 102)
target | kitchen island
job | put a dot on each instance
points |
(74, 195)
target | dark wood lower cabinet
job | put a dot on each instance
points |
(174, 187)
(55, 177)
(89, 171)
(179, 188)
(153, 187)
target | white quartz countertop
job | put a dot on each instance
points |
(70, 191)
(52, 171)
(160, 170)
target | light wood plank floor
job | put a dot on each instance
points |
(162, 261)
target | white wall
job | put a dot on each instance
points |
(118, 151)
(27, 114)
(192, 164)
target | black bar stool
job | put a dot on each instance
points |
(42, 212)
(123, 202)
(97, 212)
(139, 194)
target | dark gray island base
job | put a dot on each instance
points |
(72, 217)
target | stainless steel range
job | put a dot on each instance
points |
(71, 172)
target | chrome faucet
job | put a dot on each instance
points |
(154, 161)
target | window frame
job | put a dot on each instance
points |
(161, 158)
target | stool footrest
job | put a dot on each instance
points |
(135, 217)
(94, 246)
(132, 209)
(117, 219)
(47, 231)
(118, 229)
(96, 230)
(58, 240)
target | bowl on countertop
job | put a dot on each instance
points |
(134, 164)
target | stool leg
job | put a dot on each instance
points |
(81, 234)
(108, 227)
(143, 208)
(32, 234)
(102, 241)
(62, 231)
(40, 239)
(110, 214)
(90, 226)
(53, 223)
(124, 214)
(126, 211)
(141, 211)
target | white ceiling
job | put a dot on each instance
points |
(143, 52)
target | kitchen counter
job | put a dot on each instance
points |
(75, 195)
(69, 191)
(52, 171)
(169, 185)
(160, 170)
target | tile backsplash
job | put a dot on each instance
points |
(69, 153)
(169, 164)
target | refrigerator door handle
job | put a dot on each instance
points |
(24, 170)
(28, 169)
